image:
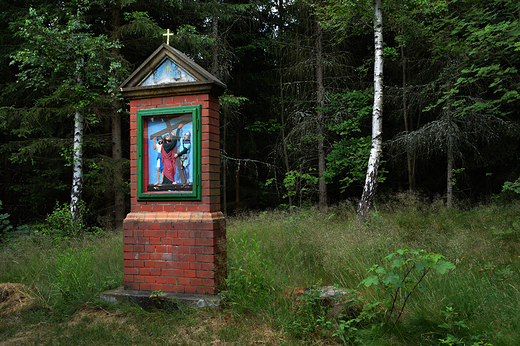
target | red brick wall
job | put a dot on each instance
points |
(177, 246)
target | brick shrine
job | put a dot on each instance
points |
(174, 243)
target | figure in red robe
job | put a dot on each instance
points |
(167, 156)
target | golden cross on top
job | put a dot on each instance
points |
(168, 36)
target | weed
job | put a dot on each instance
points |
(160, 302)
(454, 328)
(248, 274)
(156, 294)
(310, 312)
(399, 280)
(496, 275)
(75, 272)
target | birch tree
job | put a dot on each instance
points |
(369, 191)
(339, 17)
(65, 58)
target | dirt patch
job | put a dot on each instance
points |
(99, 316)
(14, 297)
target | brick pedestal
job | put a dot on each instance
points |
(174, 251)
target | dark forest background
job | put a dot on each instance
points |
(451, 102)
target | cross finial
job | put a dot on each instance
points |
(168, 36)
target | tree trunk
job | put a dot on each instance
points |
(449, 189)
(449, 153)
(117, 152)
(320, 103)
(449, 168)
(411, 178)
(369, 191)
(117, 157)
(223, 163)
(282, 103)
(284, 143)
(237, 172)
(77, 163)
(214, 34)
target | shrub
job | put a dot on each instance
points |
(398, 281)
(4, 221)
(59, 224)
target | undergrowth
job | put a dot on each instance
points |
(419, 274)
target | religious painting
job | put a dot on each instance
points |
(168, 153)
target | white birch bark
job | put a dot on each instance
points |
(77, 163)
(369, 190)
(77, 167)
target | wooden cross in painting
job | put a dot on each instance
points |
(168, 36)
(169, 129)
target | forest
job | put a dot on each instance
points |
(296, 120)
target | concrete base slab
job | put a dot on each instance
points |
(167, 301)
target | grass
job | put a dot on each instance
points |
(270, 255)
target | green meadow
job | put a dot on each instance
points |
(277, 261)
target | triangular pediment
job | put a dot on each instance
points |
(169, 72)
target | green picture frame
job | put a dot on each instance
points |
(174, 175)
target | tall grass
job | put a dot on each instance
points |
(61, 272)
(275, 253)
(325, 246)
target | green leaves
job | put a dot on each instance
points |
(4, 221)
(371, 280)
(391, 278)
(71, 68)
(406, 271)
(296, 182)
(512, 186)
(349, 155)
(56, 51)
(480, 42)
(443, 266)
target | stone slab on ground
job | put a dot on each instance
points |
(164, 300)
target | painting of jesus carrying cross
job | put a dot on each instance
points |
(169, 153)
